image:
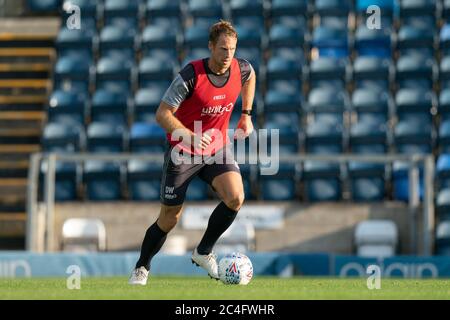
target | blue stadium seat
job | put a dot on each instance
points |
(324, 137)
(445, 9)
(280, 186)
(123, 12)
(414, 101)
(322, 181)
(72, 72)
(280, 68)
(371, 72)
(159, 37)
(153, 70)
(105, 137)
(330, 42)
(444, 38)
(367, 181)
(333, 8)
(249, 37)
(147, 137)
(281, 101)
(444, 104)
(75, 42)
(281, 35)
(67, 176)
(371, 101)
(196, 36)
(114, 73)
(327, 100)
(328, 71)
(442, 177)
(280, 8)
(146, 102)
(443, 204)
(414, 37)
(67, 106)
(413, 136)
(144, 180)
(204, 9)
(88, 10)
(117, 40)
(103, 180)
(109, 106)
(63, 137)
(415, 71)
(368, 136)
(401, 181)
(442, 243)
(43, 6)
(387, 8)
(373, 42)
(288, 86)
(287, 125)
(417, 8)
(163, 8)
(246, 8)
(444, 72)
(444, 136)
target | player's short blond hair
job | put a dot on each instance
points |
(221, 27)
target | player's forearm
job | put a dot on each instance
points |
(167, 120)
(248, 93)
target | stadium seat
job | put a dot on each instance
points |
(146, 102)
(88, 10)
(114, 73)
(413, 136)
(287, 125)
(442, 244)
(376, 238)
(444, 136)
(414, 101)
(330, 42)
(105, 137)
(103, 180)
(82, 235)
(152, 70)
(400, 176)
(417, 8)
(109, 106)
(72, 72)
(371, 72)
(159, 37)
(445, 9)
(246, 8)
(199, 9)
(444, 104)
(366, 181)
(280, 68)
(67, 106)
(117, 40)
(328, 71)
(415, 71)
(123, 12)
(373, 42)
(163, 8)
(147, 137)
(368, 136)
(387, 9)
(332, 8)
(279, 101)
(327, 100)
(371, 101)
(414, 37)
(195, 54)
(281, 35)
(75, 42)
(281, 8)
(67, 176)
(43, 6)
(144, 180)
(280, 186)
(444, 72)
(322, 181)
(249, 37)
(324, 137)
(62, 137)
(196, 36)
(443, 204)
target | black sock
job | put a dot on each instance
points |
(153, 241)
(219, 221)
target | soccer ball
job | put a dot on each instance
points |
(235, 268)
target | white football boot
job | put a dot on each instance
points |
(207, 262)
(139, 276)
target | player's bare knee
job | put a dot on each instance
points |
(235, 201)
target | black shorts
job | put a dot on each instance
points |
(176, 177)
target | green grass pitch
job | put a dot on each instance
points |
(187, 288)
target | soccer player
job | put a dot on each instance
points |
(204, 92)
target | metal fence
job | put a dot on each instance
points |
(40, 235)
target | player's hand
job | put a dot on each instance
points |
(244, 127)
(202, 141)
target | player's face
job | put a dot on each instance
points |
(222, 52)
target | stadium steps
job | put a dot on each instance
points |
(27, 56)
